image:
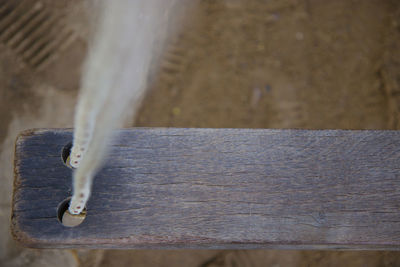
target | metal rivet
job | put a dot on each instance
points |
(65, 155)
(66, 218)
(71, 220)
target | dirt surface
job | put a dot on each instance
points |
(249, 64)
(275, 64)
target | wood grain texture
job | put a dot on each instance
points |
(217, 188)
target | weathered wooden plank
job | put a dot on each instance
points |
(217, 188)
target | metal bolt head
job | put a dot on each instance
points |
(68, 163)
(71, 220)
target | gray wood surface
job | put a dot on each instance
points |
(217, 188)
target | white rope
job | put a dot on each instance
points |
(113, 82)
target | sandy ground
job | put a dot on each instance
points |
(250, 64)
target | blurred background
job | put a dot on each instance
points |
(310, 64)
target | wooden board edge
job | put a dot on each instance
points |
(21, 237)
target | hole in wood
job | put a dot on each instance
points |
(66, 218)
(65, 155)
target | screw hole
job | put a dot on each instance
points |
(65, 155)
(66, 218)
